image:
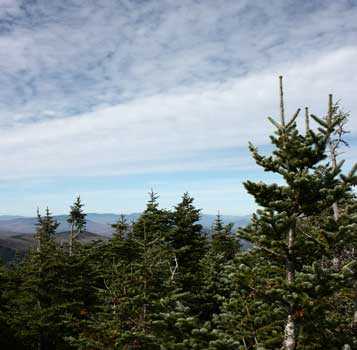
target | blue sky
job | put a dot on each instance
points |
(110, 98)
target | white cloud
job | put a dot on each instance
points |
(170, 131)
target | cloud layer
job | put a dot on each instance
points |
(103, 88)
(165, 131)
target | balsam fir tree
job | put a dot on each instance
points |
(345, 251)
(91, 318)
(45, 229)
(152, 269)
(54, 293)
(9, 282)
(187, 242)
(77, 221)
(223, 247)
(223, 240)
(179, 323)
(285, 284)
(121, 228)
(40, 282)
(135, 271)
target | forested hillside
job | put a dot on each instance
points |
(162, 283)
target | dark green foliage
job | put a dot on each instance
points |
(290, 270)
(8, 287)
(187, 242)
(77, 220)
(135, 269)
(121, 227)
(154, 222)
(223, 240)
(45, 229)
(48, 293)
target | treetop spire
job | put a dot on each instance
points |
(282, 112)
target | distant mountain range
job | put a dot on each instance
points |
(16, 232)
(96, 223)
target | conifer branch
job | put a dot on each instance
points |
(319, 121)
(272, 252)
(275, 123)
(294, 117)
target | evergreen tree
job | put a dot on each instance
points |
(187, 242)
(121, 227)
(77, 221)
(181, 312)
(135, 271)
(51, 292)
(151, 271)
(284, 288)
(154, 222)
(34, 312)
(223, 240)
(45, 229)
(86, 272)
(223, 247)
(8, 283)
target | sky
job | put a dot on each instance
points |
(109, 98)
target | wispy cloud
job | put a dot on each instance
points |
(164, 131)
(61, 58)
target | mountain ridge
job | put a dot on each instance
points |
(17, 232)
(98, 223)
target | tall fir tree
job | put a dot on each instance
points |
(284, 285)
(223, 241)
(77, 221)
(39, 279)
(187, 241)
(222, 248)
(178, 325)
(135, 271)
(45, 229)
(154, 222)
(121, 227)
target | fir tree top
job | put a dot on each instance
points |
(45, 228)
(121, 227)
(77, 217)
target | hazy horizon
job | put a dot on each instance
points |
(116, 214)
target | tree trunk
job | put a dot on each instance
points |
(282, 112)
(70, 241)
(307, 124)
(336, 213)
(333, 153)
(289, 336)
(289, 333)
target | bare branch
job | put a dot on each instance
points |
(173, 269)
